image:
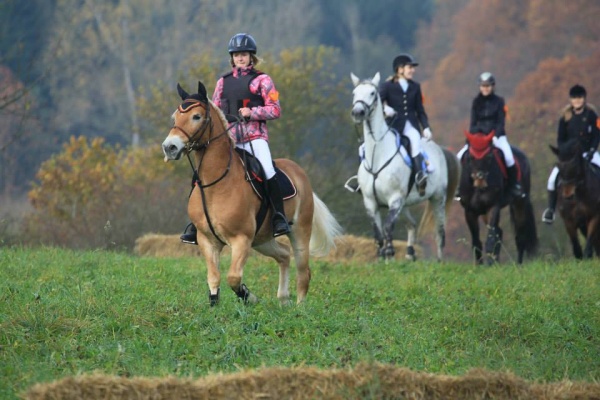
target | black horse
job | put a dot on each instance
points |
(579, 198)
(483, 192)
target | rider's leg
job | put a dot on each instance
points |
(260, 149)
(513, 184)
(462, 151)
(548, 215)
(415, 153)
(596, 159)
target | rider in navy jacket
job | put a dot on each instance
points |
(404, 111)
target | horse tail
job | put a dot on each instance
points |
(427, 222)
(325, 229)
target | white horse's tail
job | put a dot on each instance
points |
(325, 229)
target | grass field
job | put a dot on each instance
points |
(66, 313)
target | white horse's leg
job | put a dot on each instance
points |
(411, 228)
(395, 208)
(373, 213)
(280, 252)
(439, 207)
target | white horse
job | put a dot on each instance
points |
(385, 178)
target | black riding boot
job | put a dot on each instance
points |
(514, 186)
(189, 235)
(420, 173)
(548, 215)
(280, 223)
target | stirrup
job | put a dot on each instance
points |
(420, 178)
(190, 235)
(352, 184)
(280, 225)
(548, 216)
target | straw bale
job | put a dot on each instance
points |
(365, 381)
(349, 248)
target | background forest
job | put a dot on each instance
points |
(87, 88)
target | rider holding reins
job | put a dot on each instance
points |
(251, 95)
(577, 122)
(488, 113)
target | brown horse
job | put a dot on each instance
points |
(483, 194)
(579, 192)
(226, 209)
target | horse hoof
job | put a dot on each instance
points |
(411, 257)
(214, 298)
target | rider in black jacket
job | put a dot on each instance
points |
(488, 113)
(577, 122)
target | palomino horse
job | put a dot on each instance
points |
(224, 205)
(579, 192)
(483, 193)
(386, 180)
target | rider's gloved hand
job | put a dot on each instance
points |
(388, 111)
(427, 133)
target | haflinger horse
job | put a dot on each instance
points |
(579, 195)
(483, 193)
(226, 208)
(386, 179)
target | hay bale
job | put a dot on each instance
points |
(349, 248)
(372, 381)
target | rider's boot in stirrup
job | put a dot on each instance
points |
(514, 186)
(420, 173)
(189, 235)
(548, 215)
(280, 223)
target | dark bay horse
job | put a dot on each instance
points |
(483, 193)
(579, 196)
(224, 206)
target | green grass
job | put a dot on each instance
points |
(64, 313)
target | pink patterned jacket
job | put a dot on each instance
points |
(256, 127)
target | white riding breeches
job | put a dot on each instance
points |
(260, 149)
(460, 153)
(502, 144)
(414, 136)
(552, 178)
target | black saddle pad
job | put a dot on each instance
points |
(256, 176)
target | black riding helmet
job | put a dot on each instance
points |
(402, 60)
(242, 42)
(577, 91)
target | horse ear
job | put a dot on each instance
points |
(355, 79)
(376, 79)
(554, 149)
(202, 92)
(182, 93)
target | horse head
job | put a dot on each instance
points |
(480, 146)
(190, 123)
(365, 97)
(571, 166)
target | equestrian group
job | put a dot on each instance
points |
(244, 199)
(400, 165)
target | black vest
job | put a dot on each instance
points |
(236, 94)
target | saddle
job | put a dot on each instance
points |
(255, 175)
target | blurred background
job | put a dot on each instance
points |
(87, 88)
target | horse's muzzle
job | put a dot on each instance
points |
(358, 114)
(173, 148)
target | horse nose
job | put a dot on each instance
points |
(170, 150)
(358, 112)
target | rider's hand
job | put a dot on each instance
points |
(388, 111)
(245, 113)
(427, 133)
